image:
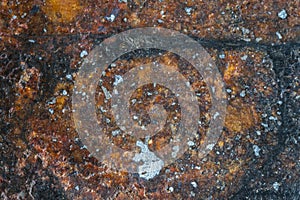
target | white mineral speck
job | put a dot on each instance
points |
(69, 76)
(83, 53)
(222, 56)
(64, 92)
(77, 188)
(243, 93)
(245, 31)
(191, 143)
(188, 10)
(106, 92)
(160, 21)
(51, 111)
(175, 151)
(258, 39)
(282, 14)
(194, 184)
(118, 79)
(244, 57)
(256, 150)
(210, 146)
(279, 35)
(151, 163)
(171, 189)
(276, 186)
(197, 167)
(258, 132)
(111, 18)
(115, 132)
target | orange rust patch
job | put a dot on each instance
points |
(62, 11)
(240, 116)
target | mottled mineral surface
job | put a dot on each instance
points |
(255, 45)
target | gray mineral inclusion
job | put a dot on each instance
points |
(151, 163)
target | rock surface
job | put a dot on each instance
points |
(255, 46)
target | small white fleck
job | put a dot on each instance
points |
(245, 31)
(193, 194)
(273, 118)
(64, 92)
(216, 115)
(31, 41)
(210, 146)
(51, 110)
(175, 151)
(188, 10)
(106, 93)
(247, 39)
(243, 93)
(69, 76)
(191, 143)
(14, 17)
(222, 56)
(279, 35)
(265, 125)
(228, 90)
(282, 14)
(258, 39)
(118, 79)
(276, 186)
(197, 167)
(171, 189)
(160, 21)
(115, 132)
(83, 53)
(244, 57)
(258, 132)
(77, 188)
(256, 150)
(194, 184)
(111, 18)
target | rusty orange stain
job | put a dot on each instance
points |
(62, 11)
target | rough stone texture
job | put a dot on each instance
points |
(257, 156)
